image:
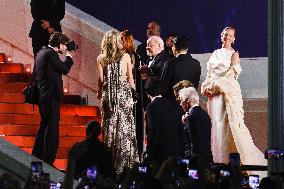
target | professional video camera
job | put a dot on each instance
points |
(71, 46)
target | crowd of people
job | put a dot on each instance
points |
(91, 163)
(155, 134)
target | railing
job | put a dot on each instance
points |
(16, 47)
(88, 94)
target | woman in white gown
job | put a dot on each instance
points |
(225, 106)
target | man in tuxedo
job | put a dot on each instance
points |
(163, 118)
(197, 125)
(49, 70)
(155, 50)
(183, 67)
(47, 15)
(153, 29)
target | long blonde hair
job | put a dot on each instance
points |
(109, 48)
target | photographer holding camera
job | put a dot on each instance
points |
(49, 70)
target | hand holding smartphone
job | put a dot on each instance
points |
(92, 173)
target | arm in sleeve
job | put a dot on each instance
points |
(61, 67)
(167, 75)
(196, 83)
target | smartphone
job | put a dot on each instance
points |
(273, 154)
(92, 173)
(53, 185)
(142, 169)
(193, 174)
(36, 167)
(224, 173)
(253, 181)
(132, 185)
(183, 161)
(235, 158)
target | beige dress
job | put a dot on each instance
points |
(229, 132)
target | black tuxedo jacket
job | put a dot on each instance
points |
(50, 10)
(199, 124)
(183, 67)
(157, 66)
(164, 129)
(49, 70)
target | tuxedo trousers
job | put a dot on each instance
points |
(47, 139)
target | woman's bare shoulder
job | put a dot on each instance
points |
(101, 57)
(126, 56)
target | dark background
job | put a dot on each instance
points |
(200, 20)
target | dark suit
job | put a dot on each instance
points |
(157, 65)
(183, 67)
(49, 72)
(164, 132)
(49, 10)
(199, 124)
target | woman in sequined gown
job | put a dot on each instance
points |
(225, 105)
(115, 83)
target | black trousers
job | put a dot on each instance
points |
(47, 139)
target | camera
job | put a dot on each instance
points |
(71, 46)
(193, 174)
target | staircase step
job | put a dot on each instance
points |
(65, 109)
(16, 87)
(12, 68)
(2, 58)
(255, 104)
(62, 153)
(14, 77)
(60, 164)
(31, 130)
(28, 141)
(33, 119)
(73, 99)
(12, 97)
